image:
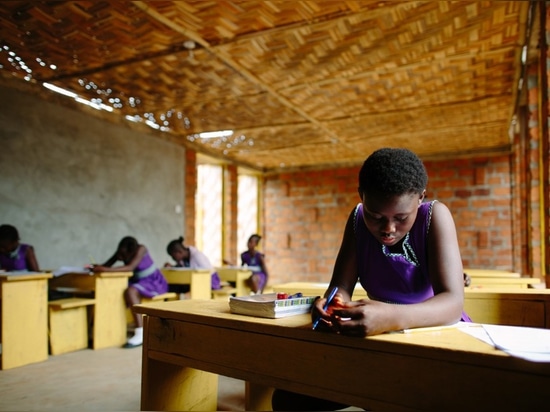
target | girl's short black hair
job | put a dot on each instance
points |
(174, 245)
(256, 236)
(129, 244)
(391, 172)
(9, 233)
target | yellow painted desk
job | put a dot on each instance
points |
(109, 319)
(24, 318)
(505, 306)
(492, 278)
(491, 273)
(315, 289)
(199, 280)
(187, 343)
(237, 275)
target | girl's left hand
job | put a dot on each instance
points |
(361, 318)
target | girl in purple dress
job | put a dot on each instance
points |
(147, 280)
(255, 262)
(13, 254)
(405, 254)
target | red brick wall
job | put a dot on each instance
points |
(478, 193)
(305, 214)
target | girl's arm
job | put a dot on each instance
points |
(32, 262)
(141, 251)
(262, 265)
(446, 273)
(344, 275)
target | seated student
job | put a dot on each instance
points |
(255, 260)
(147, 280)
(192, 258)
(405, 253)
(13, 254)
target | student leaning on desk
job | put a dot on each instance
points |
(147, 280)
(15, 255)
(192, 258)
(405, 253)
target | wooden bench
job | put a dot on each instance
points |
(68, 323)
(163, 297)
(224, 293)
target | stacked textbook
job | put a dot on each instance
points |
(268, 306)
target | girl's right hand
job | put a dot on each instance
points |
(317, 311)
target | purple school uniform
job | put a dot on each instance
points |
(400, 278)
(249, 260)
(15, 260)
(148, 279)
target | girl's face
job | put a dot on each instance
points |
(8, 246)
(252, 243)
(179, 254)
(390, 219)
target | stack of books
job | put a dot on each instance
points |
(269, 306)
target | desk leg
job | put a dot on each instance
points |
(257, 397)
(110, 326)
(201, 286)
(24, 322)
(170, 387)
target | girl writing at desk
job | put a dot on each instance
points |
(192, 258)
(147, 280)
(403, 251)
(13, 254)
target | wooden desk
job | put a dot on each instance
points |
(199, 280)
(490, 273)
(315, 289)
(109, 320)
(500, 306)
(489, 278)
(441, 370)
(237, 275)
(524, 307)
(493, 282)
(23, 318)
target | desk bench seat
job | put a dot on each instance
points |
(224, 293)
(163, 297)
(68, 322)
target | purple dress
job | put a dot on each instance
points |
(400, 278)
(15, 260)
(254, 264)
(148, 279)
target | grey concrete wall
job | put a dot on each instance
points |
(74, 185)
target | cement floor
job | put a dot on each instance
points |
(88, 380)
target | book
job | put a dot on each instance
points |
(268, 306)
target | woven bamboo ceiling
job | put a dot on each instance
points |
(300, 83)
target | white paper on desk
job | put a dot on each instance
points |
(63, 270)
(532, 344)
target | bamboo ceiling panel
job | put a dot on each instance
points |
(300, 83)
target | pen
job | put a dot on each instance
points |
(327, 303)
